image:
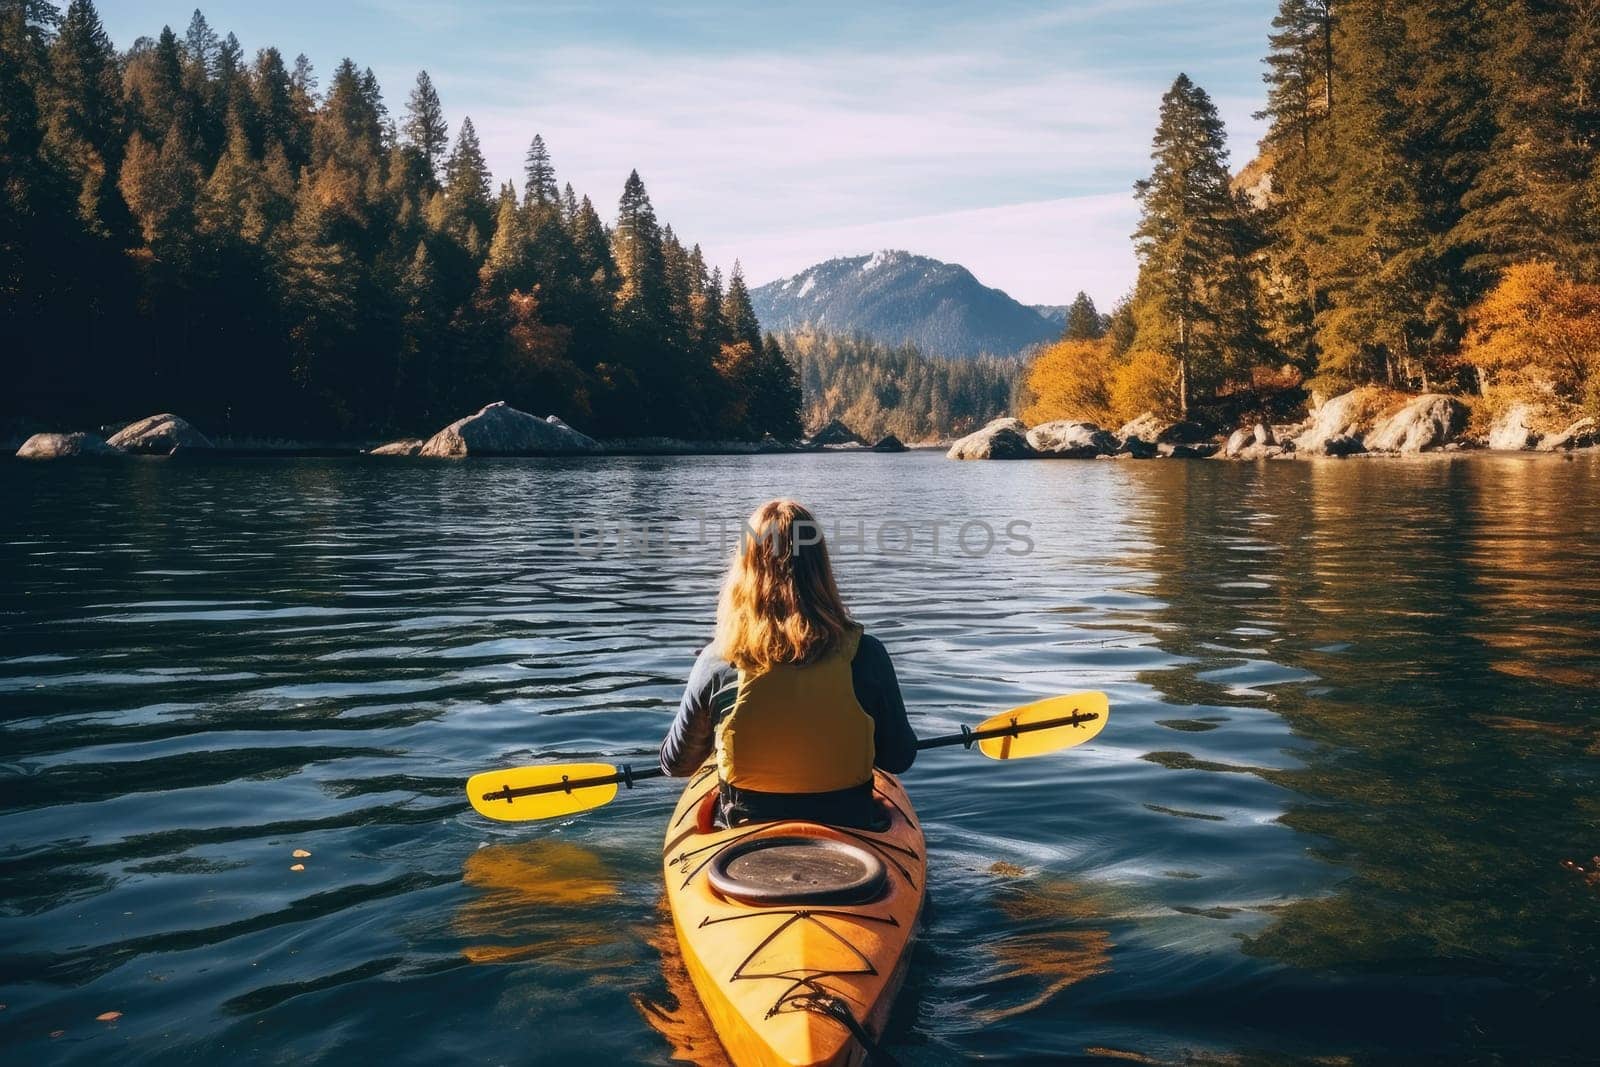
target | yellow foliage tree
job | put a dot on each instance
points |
(1070, 380)
(1146, 381)
(1538, 328)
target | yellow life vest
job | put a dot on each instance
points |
(798, 728)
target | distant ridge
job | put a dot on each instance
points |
(896, 297)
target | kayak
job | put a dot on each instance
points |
(796, 935)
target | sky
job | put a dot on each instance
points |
(1005, 136)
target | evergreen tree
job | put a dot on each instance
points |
(642, 298)
(83, 115)
(775, 406)
(466, 184)
(739, 320)
(1084, 321)
(425, 128)
(1189, 243)
(541, 175)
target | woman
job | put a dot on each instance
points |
(794, 700)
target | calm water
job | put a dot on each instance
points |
(1355, 729)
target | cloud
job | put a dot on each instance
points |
(761, 132)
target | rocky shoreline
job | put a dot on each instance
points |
(494, 430)
(1362, 422)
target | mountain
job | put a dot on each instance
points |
(1056, 313)
(895, 297)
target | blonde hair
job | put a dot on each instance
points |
(779, 602)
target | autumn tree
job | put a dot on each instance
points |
(1070, 379)
(1540, 331)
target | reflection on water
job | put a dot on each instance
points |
(1342, 812)
(677, 1016)
(534, 902)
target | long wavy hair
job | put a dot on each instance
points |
(779, 602)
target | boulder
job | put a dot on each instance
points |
(1136, 447)
(889, 443)
(1345, 444)
(1263, 434)
(501, 430)
(1203, 450)
(1585, 433)
(1346, 415)
(1237, 442)
(1513, 431)
(158, 435)
(1065, 439)
(1001, 439)
(64, 446)
(1254, 452)
(1428, 421)
(835, 433)
(1145, 427)
(409, 446)
(1152, 427)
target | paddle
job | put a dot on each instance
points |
(519, 794)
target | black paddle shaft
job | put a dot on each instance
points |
(627, 775)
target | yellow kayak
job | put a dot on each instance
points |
(795, 935)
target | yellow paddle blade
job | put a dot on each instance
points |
(566, 795)
(1045, 739)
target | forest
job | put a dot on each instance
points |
(877, 389)
(185, 229)
(1424, 215)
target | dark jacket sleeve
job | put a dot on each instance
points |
(878, 690)
(691, 738)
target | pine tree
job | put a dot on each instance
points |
(541, 176)
(642, 297)
(466, 184)
(160, 186)
(425, 128)
(1084, 321)
(1189, 244)
(507, 265)
(739, 320)
(776, 405)
(83, 120)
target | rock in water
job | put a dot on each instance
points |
(1513, 431)
(1347, 415)
(1157, 430)
(833, 434)
(889, 443)
(1204, 450)
(64, 446)
(1585, 433)
(1137, 447)
(409, 446)
(1263, 434)
(158, 435)
(1237, 442)
(501, 430)
(1001, 439)
(1344, 444)
(1065, 439)
(1430, 421)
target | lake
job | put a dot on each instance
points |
(1354, 733)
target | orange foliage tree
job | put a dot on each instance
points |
(1071, 380)
(1539, 328)
(1146, 381)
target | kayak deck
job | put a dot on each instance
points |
(774, 979)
